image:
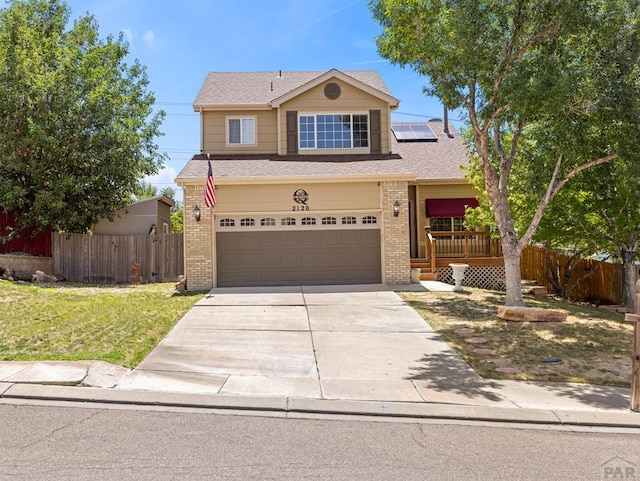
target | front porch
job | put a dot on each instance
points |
(482, 253)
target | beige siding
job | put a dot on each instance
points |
(214, 132)
(279, 198)
(136, 219)
(164, 217)
(452, 191)
(351, 100)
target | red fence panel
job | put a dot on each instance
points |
(28, 243)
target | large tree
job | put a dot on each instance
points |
(597, 212)
(508, 65)
(77, 127)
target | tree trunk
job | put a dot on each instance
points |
(629, 275)
(513, 274)
(511, 248)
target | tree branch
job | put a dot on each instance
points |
(576, 170)
(507, 164)
(507, 64)
(552, 190)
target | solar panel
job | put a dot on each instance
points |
(413, 133)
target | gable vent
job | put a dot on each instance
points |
(332, 91)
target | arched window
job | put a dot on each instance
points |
(349, 220)
(308, 221)
(329, 221)
(288, 221)
(267, 221)
(369, 219)
(227, 222)
(247, 222)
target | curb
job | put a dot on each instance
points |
(300, 406)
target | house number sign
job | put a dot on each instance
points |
(301, 198)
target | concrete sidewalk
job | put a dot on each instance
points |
(329, 348)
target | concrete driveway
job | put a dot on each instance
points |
(325, 342)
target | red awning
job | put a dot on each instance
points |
(449, 207)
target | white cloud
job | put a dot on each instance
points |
(128, 34)
(152, 40)
(164, 177)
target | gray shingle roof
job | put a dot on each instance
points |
(260, 88)
(426, 160)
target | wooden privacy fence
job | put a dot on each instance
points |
(96, 259)
(604, 286)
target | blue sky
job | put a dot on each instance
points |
(181, 41)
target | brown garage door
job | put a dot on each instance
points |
(276, 258)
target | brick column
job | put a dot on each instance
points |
(395, 233)
(198, 240)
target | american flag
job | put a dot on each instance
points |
(210, 189)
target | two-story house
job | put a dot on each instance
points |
(314, 183)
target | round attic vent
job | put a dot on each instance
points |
(332, 91)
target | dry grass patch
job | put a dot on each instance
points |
(71, 322)
(595, 345)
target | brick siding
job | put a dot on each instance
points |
(198, 240)
(395, 233)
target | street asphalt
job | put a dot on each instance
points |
(354, 350)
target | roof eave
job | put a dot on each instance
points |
(221, 107)
(392, 101)
(307, 179)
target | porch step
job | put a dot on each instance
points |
(425, 269)
(420, 263)
(428, 276)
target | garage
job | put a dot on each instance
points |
(298, 257)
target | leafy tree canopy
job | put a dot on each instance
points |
(77, 126)
(527, 76)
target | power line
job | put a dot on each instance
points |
(426, 116)
(189, 104)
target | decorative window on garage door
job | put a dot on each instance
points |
(325, 222)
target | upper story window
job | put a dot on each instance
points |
(333, 131)
(241, 130)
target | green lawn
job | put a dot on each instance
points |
(121, 324)
(595, 345)
(116, 324)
